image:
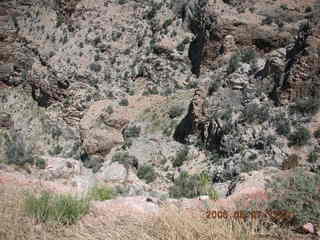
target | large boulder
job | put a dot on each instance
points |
(101, 129)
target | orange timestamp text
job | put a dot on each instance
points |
(253, 214)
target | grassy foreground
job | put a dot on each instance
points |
(169, 224)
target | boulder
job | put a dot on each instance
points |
(101, 128)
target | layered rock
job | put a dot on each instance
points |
(294, 70)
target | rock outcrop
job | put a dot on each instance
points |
(100, 131)
(196, 122)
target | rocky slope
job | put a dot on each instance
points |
(104, 91)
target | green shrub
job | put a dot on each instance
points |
(63, 209)
(16, 151)
(181, 157)
(300, 137)
(147, 173)
(284, 6)
(298, 194)
(313, 157)
(59, 20)
(309, 105)
(167, 23)
(191, 186)
(176, 111)
(133, 131)
(248, 55)
(283, 127)
(40, 163)
(124, 102)
(101, 193)
(121, 2)
(124, 158)
(234, 63)
(109, 109)
(254, 113)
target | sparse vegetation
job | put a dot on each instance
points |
(300, 137)
(63, 209)
(133, 131)
(234, 63)
(181, 157)
(313, 157)
(284, 6)
(101, 193)
(147, 173)
(255, 113)
(17, 152)
(248, 55)
(124, 102)
(191, 186)
(298, 194)
(40, 163)
(59, 20)
(176, 111)
(283, 127)
(305, 106)
(109, 109)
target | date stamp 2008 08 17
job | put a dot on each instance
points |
(255, 214)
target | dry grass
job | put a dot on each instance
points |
(170, 224)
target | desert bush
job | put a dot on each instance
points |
(190, 186)
(300, 137)
(59, 20)
(63, 209)
(17, 152)
(147, 173)
(175, 111)
(133, 131)
(234, 63)
(124, 102)
(283, 128)
(255, 113)
(312, 157)
(109, 109)
(298, 194)
(309, 105)
(181, 157)
(124, 158)
(101, 193)
(248, 55)
(40, 162)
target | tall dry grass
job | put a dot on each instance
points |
(170, 224)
